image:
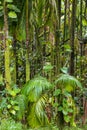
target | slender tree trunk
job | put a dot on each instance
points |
(72, 37)
(27, 43)
(60, 120)
(44, 50)
(57, 39)
(81, 34)
(64, 31)
(7, 51)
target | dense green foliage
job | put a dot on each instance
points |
(43, 60)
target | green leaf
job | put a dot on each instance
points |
(13, 7)
(16, 108)
(1, 13)
(13, 102)
(9, 1)
(70, 110)
(1, 7)
(13, 112)
(65, 112)
(64, 70)
(48, 67)
(57, 92)
(3, 103)
(60, 108)
(67, 94)
(67, 118)
(12, 14)
(69, 88)
(12, 93)
(16, 90)
(9, 106)
(55, 105)
(84, 21)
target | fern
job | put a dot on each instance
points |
(22, 103)
(35, 87)
(35, 91)
(68, 82)
(37, 116)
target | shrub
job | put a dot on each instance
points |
(9, 124)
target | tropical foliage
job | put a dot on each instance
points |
(43, 59)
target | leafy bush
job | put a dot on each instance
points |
(72, 128)
(9, 124)
(12, 103)
(66, 105)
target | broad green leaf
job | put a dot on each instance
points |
(67, 118)
(57, 92)
(55, 104)
(9, 1)
(66, 46)
(13, 7)
(16, 108)
(48, 67)
(12, 102)
(1, 7)
(85, 37)
(60, 108)
(12, 93)
(12, 14)
(65, 112)
(16, 90)
(69, 88)
(70, 110)
(13, 112)
(84, 22)
(1, 80)
(3, 103)
(67, 94)
(64, 70)
(9, 106)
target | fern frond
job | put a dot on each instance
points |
(35, 87)
(22, 103)
(37, 116)
(68, 82)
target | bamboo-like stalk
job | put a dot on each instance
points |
(27, 43)
(7, 51)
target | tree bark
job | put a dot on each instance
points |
(27, 43)
(7, 51)
(72, 36)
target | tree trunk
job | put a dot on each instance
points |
(7, 51)
(72, 37)
(27, 43)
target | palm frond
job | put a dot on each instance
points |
(22, 104)
(37, 116)
(35, 91)
(68, 82)
(35, 87)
